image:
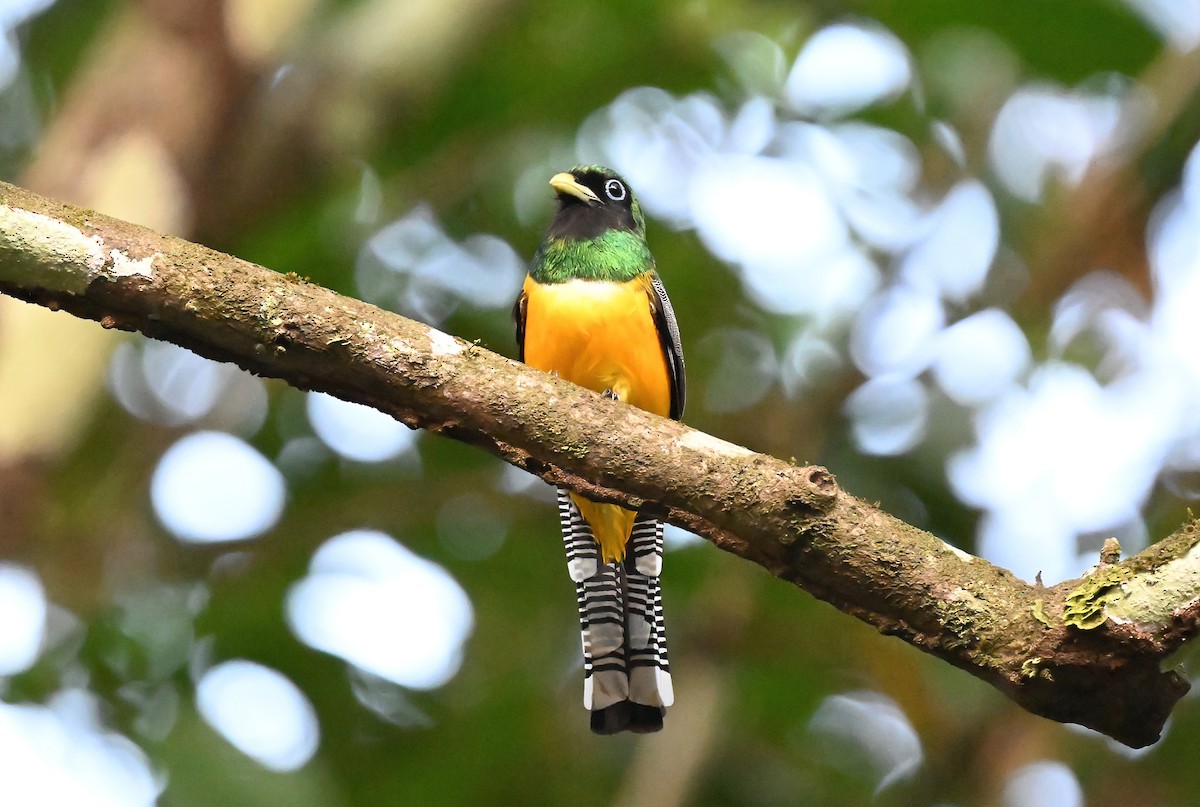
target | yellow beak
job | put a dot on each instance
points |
(566, 183)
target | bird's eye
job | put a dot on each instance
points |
(615, 190)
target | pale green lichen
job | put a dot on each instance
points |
(1032, 668)
(1039, 613)
(1151, 597)
(37, 250)
(1087, 606)
(575, 450)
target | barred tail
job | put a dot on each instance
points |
(627, 679)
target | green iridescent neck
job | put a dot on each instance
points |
(614, 255)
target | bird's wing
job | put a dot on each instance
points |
(668, 337)
(520, 308)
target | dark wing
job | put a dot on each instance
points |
(668, 337)
(520, 307)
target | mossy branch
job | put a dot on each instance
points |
(1086, 651)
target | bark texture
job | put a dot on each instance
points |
(1086, 651)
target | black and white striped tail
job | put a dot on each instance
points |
(627, 680)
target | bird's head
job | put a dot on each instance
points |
(592, 200)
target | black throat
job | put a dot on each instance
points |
(578, 221)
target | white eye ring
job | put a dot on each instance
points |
(615, 190)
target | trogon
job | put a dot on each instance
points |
(594, 312)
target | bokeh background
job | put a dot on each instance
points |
(949, 250)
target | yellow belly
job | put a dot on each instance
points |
(601, 336)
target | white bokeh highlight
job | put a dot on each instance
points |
(1043, 784)
(60, 754)
(877, 730)
(260, 712)
(843, 68)
(374, 603)
(187, 383)
(780, 201)
(961, 239)
(675, 538)
(358, 432)
(888, 415)
(1177, 21)
(980, 357)
(23, 606)
(1044, 132)
(411, 265)
(897, 332)
(12, 14)
(741, 204)
(658, 142)
(1105, 306)
(212, 486)
(167, 384)
(1056, 458)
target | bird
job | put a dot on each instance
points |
(593, 311)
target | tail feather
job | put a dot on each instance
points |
(646, 546)
(583, 554)
(627, 716)
(627, 679)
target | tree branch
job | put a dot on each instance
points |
(1085, 651)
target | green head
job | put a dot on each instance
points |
(598, 232)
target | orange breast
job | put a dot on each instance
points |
(601, 336)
